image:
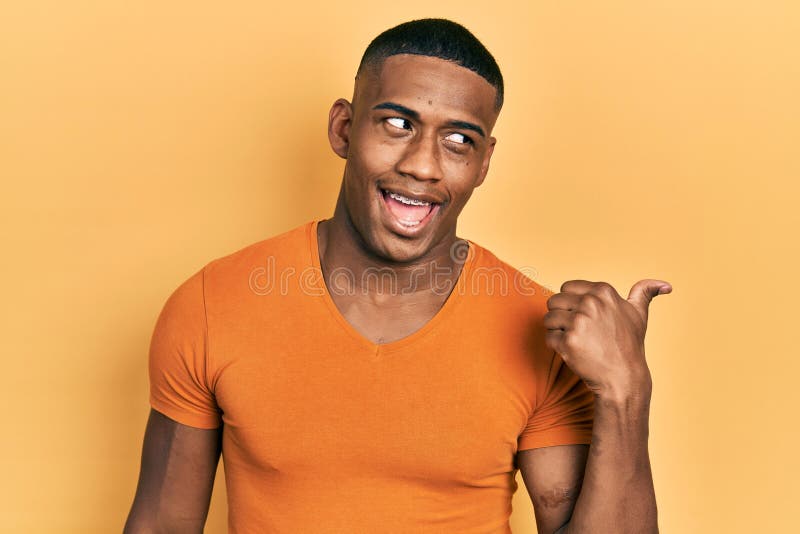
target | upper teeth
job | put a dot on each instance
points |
(406, 200)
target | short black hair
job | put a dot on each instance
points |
(439, 38)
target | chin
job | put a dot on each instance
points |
(396, 249)
(399, 226)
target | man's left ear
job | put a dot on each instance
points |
(486, 159)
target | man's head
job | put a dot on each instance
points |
(417, 137)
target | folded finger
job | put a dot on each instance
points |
(558, 320)
(563, 301)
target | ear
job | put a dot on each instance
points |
(486, 159)
(339, 120)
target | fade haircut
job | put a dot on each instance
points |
(440, 38)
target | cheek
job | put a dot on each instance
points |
(463, 177)
(460, 199)
(370, 160)
(373, 148)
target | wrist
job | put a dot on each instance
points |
(624, 411)
(628, 388)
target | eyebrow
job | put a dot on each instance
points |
(415, 115)
(467, 126)
(398, 108)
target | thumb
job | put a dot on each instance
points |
(644, 291)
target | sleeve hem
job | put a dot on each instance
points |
(185, 418)
(552, 439)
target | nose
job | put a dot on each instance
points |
(421, 159)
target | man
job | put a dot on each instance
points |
(373, 372)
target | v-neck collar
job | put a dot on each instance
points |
(456, 295)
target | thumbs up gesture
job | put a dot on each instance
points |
(600, 335)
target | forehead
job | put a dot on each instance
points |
(429, 85)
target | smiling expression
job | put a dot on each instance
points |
(417, 143)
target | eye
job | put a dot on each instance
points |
(459, 138)
(399, 122)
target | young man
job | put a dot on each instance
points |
(373, 372)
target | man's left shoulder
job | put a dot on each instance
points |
(495, 279)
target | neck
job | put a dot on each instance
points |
(348, 264)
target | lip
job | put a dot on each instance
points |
(394, 224)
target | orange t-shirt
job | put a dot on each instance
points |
(325, 431)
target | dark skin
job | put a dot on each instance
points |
(600, 336)
(421, 127)
(405, 131)
(176, 477)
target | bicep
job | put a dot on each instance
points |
(179, 463)
(553, 478)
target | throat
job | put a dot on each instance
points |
(391, 320)
(383, 302)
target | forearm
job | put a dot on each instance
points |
(617, 495)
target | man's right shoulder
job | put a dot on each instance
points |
(247, 271)
(290, 248)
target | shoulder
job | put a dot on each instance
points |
(244, 273)
(292, 246)
(496, 281)
(506, 307)
(264, 262)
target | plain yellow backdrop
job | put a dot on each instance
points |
(139, 140)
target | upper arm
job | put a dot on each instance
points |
(553, 478)
(179, 463)
(553, 447)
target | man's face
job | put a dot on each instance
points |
(417, 142)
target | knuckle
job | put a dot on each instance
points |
(590, 301)
(604, 289)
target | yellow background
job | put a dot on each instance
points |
(138, 140)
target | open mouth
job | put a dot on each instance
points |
(409, 212)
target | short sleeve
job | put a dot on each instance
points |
(564, 410)
(178, 362)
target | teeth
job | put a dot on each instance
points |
(409, 201)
